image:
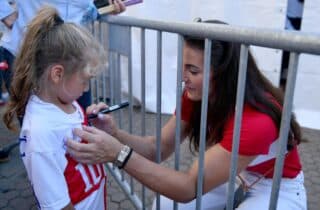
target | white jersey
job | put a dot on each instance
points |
(57, 179)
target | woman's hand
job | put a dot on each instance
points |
(103, 121)
(118, 6)
(101, 147)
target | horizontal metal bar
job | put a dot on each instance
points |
(272, 38)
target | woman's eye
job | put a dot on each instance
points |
(194, 72)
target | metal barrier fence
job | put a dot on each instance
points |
(108, 86)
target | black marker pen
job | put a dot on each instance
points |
(109, 109)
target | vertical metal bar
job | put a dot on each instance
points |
(203, 125)
(130, 96)
(116, 95)
(90, 27)
(284, 128)
(97, 89)
(143, 100)
(96, 82)
(237, 123)
(117, 87)
(103, 76)
(178, 108)
(159, 81)
(115, 67)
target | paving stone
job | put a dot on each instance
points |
(10, 194)
(3, 202)
(118, 197)
(126, 205)
(21, 203)
(113, 206)
(27, 192)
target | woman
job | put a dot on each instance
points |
(259, 133)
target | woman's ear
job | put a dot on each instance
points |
(56, 73)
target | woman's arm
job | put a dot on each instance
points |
(179, 186)
(144, 145)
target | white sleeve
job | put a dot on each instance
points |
(47, 179)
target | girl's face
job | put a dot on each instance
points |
(193, 71)
(74, 86)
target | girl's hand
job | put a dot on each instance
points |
(103, 121)
(118, 5)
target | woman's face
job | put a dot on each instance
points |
(193, 71)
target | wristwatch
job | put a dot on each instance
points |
(123, 156)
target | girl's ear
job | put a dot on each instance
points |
(56, 73)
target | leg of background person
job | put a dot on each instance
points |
(2, 102)
(7, 75)
(1, 60)
(213, 200)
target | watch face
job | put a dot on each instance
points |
(122, 155)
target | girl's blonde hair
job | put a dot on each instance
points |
(49, 41)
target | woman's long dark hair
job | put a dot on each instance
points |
(259, 93)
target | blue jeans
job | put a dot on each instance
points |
(6, 75)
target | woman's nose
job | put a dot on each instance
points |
(184, 76)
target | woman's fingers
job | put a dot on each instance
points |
(100, 146)
(87, 133)
(79, 151)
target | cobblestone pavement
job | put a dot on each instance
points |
(16, 193)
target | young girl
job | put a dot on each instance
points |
(52, 70)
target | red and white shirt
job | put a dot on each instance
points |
(258, 137)
(56, 178)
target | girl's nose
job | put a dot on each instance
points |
(87, 86)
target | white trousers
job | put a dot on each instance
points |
(292, 196)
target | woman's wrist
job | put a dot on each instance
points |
(123, 156)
